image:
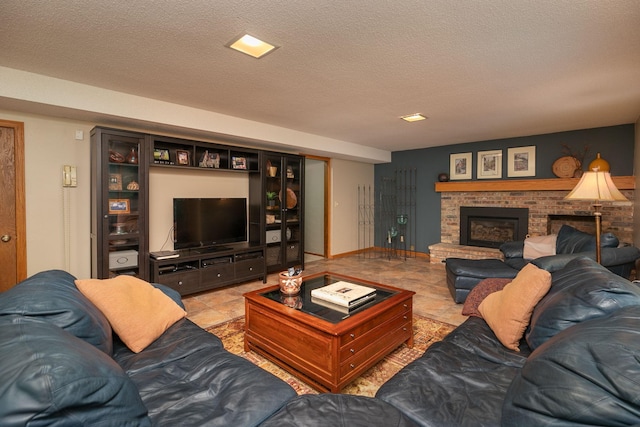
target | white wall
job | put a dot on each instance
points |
(346, 176)
(165, 184)
(51, 210)
(42, 94)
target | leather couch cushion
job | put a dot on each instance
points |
(461, 380)
(52, 297)
(571, 241)
(321, 410)
(582, 290)
(586, 375)
(480, 292)
(508, 311)
(187, 378)
(50, 377)
(138, 312)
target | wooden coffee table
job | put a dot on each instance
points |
(326, 347)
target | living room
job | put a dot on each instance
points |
(556, 79)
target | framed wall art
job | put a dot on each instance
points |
(119, 206)
(115, 182)
(238, 162)
(460, 166)
(161, 156)
(182, 157)
(490, 164)
(521, 161)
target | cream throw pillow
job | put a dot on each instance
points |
(138, 312)
(539, 246)
(508, 312)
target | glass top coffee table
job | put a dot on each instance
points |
(326, 347)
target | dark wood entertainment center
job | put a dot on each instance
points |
(120, 164)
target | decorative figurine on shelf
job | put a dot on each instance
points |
(290, 174)
(210, 161)
(133, 156)
(133, 186)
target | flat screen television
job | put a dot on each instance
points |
(209, 222)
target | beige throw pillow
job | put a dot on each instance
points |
(539, 246)
(138, 312)
(508, 312)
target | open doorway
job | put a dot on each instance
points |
(316, 208)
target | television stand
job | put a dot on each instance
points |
(209, 249)
(203, 269)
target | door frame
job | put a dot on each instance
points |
(20, 197)
(327, 199)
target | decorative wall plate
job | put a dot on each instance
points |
(565, 166)
(292, 200)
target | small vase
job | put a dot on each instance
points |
(132, 157)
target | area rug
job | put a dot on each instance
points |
(425, 332)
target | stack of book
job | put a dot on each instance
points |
(343, 296)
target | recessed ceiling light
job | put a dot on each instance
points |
(413, 117)
(251, 46)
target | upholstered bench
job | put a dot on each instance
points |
(464, 274)
(319, 410)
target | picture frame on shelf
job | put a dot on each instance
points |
(490, 164)
(521, 161)
(238, 162)
(119, 206)
(161, 156)
(460, 166)
(182, 157)
(115, 182)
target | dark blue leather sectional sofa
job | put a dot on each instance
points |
(578, 364)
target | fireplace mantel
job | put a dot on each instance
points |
(558, 184)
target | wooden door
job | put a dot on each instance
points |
(13, 248)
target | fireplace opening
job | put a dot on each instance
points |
(492, 226)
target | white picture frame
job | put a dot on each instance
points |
(460, 166)
(521, 161)
(490, 164)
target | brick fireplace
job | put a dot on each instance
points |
(547, 210)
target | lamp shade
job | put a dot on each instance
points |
(595, 186)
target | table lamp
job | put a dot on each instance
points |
(597, 186)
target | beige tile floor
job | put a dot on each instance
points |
(427, 280)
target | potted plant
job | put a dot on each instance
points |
(271, 198)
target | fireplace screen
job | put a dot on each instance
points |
(490, 227)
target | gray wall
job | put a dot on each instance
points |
(615, 143)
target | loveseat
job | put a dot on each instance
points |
(464, 274)
(573, 358)
(61, 364)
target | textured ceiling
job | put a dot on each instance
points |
(347, 70)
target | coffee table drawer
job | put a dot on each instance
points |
(304, 348)
(354, 347)
(375, 350)
(395, 311)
